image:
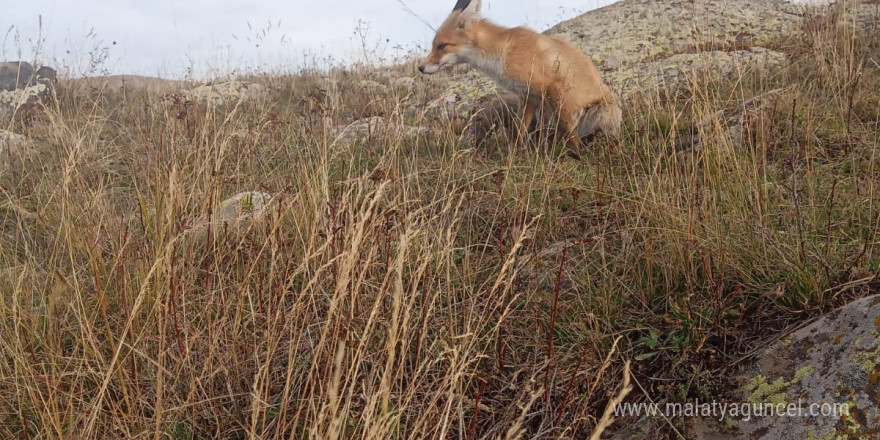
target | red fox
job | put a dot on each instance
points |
(538, 68)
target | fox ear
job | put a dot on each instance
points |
(470, 11)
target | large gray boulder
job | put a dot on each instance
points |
(832, 363)
(678, 71)
(461, 95)
(650, 45)
(22, 88)
(636, 31)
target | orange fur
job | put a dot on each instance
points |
(538, 68)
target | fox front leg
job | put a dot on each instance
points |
(569, 119)
(530, 108)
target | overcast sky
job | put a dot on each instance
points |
(169, 37)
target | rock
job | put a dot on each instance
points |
(233, 215)
(23, 88)
(404, 82)
(735, 123)
(246, 205)
(833, 361)
(858, 15)
(864, 16)
(462, 95)
(11, 142)
(16, 75)
(449, 105)
(813, 2)
(372, 128)
(636, 31)
(676, 71)
(373, 86)
(47, 73)
(223, 93)
(612, 62)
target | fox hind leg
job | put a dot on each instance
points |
(530, 108)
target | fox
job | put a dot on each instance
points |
(544, 72)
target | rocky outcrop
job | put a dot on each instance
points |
(20, 74)
(673, 73)
(463, 95)
(646, 45)
(642, 45)
(372, 128)
(631, 32)
(864, 16)
(22, 88)
(834, 362)
(221, 93)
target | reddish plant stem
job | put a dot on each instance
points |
(570, 386)
(553, 323)
(173, 304)
(473, 426)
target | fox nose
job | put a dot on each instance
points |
(422, 69)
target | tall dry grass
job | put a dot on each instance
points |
(421, 286)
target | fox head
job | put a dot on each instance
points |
(452, 40)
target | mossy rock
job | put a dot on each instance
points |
(833, 363)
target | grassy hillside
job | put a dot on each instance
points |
(422, 285)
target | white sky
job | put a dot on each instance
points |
(173, 38)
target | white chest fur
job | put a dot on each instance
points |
(494, 69)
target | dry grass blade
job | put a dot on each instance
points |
(608, 416)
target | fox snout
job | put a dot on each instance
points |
(442, 55)
(438, 60)
(429, 69)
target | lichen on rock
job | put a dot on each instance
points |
(226, 93)
(828, 369)
(23, 88)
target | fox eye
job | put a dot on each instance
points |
(442, 46)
